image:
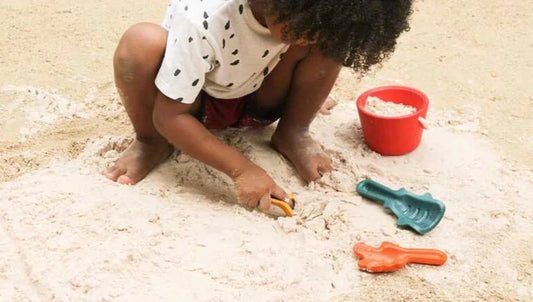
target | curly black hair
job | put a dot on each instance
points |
(358, 33)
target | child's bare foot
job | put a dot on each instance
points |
(137, 161)
(329, 104)
(304, 152)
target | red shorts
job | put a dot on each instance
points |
(230, 113)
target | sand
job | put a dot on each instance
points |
(68, 234)
(387, 108)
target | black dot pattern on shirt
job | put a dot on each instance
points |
(265, 71)
(179, 100)
(206, 15)
(227, 25)
(266, 53)
(177, 72)
(241, 9)
(236, 62)
(235, 52)
(223, 43)
(229, 85)
(206, 25)
(255, 85)
(205, 57)
(195, 82)
(232, 35)
(186, 8)
(281, 56)
(190, 39)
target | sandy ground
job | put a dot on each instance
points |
(68, 234)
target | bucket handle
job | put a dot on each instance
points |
(423, 122)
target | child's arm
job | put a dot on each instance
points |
(173, 121)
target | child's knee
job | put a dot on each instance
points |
(141, 46)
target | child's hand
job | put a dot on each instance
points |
(255, 187)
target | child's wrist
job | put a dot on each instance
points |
(240, 168)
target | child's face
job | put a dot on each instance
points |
(276, 30)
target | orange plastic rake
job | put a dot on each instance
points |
(282, 208)
(390, 257)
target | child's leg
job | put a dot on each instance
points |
(300, 83)
(136, 63)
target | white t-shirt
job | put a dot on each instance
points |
(217, 46)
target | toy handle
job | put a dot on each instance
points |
(280, 208)
(422, 121)
(425, 256)
(376, 191)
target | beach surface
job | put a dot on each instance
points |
(69, 234)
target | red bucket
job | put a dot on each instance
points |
(393, 135)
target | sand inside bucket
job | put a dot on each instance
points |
(381, 107)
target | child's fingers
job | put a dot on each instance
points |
(248, 201)
(279, 193)
(264, 203)
(252, 203)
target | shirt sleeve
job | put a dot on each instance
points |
(187, 59)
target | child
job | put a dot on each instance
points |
(243, 63)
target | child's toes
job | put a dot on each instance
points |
(324, 167)
(132, 176)
(114, 172)
(329, 104)
(106, 171)
(322, 171)
(125, 180)
(311, 174)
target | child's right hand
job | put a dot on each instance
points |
(255, 187)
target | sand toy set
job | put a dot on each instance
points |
(421, 213)
(391, 120)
